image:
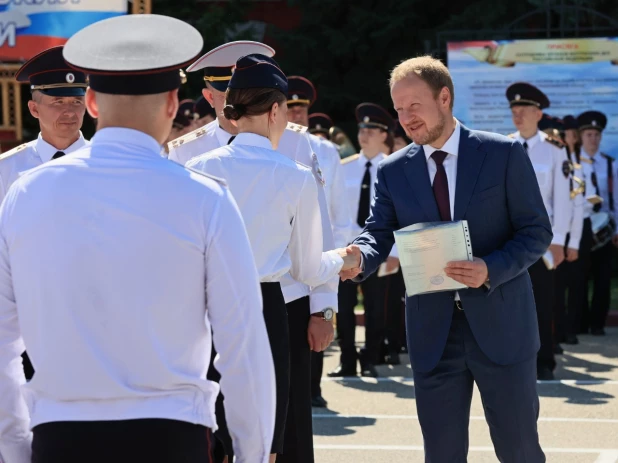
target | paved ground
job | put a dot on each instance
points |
(375, 420)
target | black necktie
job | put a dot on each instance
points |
(440, 186)
(231, 139)
(58, 154)
(526, 146)
(595, 184)
(365, 197)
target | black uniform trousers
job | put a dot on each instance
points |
(125, 441)
(373, 289)
(276, 321)
(543, 289)
(601, 268)
(298, 441)
(395, 312)
(317, 369)
(574, 277)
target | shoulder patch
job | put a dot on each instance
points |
(219, 180)
(567, 169)
(15, 150)
(197, 133)
(555, 141)
(296, 127)
(349, 159)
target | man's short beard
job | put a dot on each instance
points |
(434, 133)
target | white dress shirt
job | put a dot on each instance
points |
(278, 199)
(120, 261)
(548, 162)
(577, 209)
(28, 156)
(296, 144)
(451, 148)
(598, 164)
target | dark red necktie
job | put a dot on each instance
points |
(440, 186)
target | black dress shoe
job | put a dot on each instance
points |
(343, 370)
(544, 374)
(597, 332)
(571, 339)
(368, 370)
(318, 402)
(558, 350)
(393, 359)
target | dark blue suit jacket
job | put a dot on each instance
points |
(498, 194)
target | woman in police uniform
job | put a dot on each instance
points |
(278, 201)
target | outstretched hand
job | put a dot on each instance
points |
(351, 262)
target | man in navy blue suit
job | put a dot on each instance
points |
(487, 334)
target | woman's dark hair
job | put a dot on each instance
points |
(250, 101)
(390, 142)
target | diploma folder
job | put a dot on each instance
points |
(424, 251)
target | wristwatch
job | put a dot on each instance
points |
(326, 314)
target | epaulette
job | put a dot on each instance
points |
(304, 165)
(555, 141)
(219, 180)
(197, 133)
(354, 157)
(512, 135)
(296, 127)
(607, 156)
(587, 161)
(15, 150)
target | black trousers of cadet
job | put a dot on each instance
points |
(543, 289)
(298, 442)
(601, 267)
(394, 312)
(126, 441)
(373, 295)
(317, 368)
(578, 314)
(276, 321)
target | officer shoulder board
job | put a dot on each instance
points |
(512, 135)
(219, 180)
(555, 141)
(15, 150)
(349, 159)
(197, 133)
(296, 127)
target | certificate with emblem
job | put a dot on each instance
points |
(424, 251)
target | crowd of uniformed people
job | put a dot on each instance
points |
(223, 223)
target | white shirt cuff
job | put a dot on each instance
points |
(558, 239)
(321, 301)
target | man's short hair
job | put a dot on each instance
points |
(431, 70)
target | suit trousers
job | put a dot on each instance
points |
(125, 441)
(298, 440)
(543, 289)
(373, 299)
(394, 316)
(601, 267)
(508, 393)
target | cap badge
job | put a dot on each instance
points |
(318, 126)
(70, 78)
(518, 97)
(366, 119)
(295, 97)
(594, 123)
(187, 112)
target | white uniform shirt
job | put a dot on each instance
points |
(28, 156)
(598, 164)
(335, 189)
(548, 162)
(577, 210)
(278, 199)
(120, 261)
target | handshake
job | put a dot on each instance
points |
(351, 262)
